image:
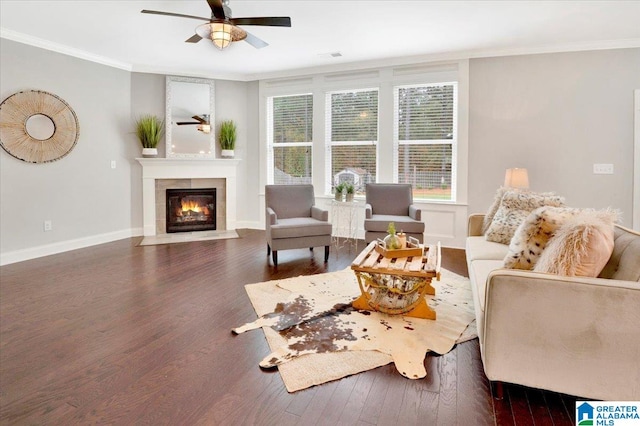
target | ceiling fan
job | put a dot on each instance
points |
(222, 29)
(202, 122)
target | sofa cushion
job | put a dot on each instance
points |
(380, 223)
(582, 246)
(624, 263)
(533, 234)
(478, 248)
(478, 273)
(514, 208)
(299, 227)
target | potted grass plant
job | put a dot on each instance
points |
(339, 189)
(350, 190)
(227, 138)
(149, 129)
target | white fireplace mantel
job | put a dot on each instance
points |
(169, 168)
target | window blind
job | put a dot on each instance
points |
(352, 132)
(290, 138)
(425, 137)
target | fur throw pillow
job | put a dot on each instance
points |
(488, 218)
(582, 246)
(514, 208)
(532, 235)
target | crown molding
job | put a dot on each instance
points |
(449, 57)
(345, 66)
(61, 48)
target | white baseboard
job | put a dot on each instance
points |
(62, 246)
(246, 224)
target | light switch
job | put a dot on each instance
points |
(603, 169)
(113, 164)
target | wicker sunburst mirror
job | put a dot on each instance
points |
(37, 126)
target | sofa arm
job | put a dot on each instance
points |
(368, 211)
(474, 226)
(319, 214)
(567, 334)
(272, 217)
(415, 213)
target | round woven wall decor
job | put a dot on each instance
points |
(37, 126)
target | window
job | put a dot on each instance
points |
(352, 138)
(425, 138)
(290, 138)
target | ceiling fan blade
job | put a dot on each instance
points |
(217, 9)
(255, 41)
(193, 39)
(274, 21)
(179, 15)
(180, 123)
(200, 119)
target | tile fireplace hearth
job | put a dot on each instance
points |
(157, 172)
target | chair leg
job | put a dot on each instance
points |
(326, 254)
(274, 256)
(268, 249)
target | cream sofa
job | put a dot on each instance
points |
(579, 336)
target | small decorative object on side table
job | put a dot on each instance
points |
(395, 282)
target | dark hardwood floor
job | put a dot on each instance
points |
(120, 334)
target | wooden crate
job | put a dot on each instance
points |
(397, 285)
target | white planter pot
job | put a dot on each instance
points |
(149, 152)
(227, 153)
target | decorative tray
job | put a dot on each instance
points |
(413, 249)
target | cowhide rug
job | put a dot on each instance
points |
(316, 336)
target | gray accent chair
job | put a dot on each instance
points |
(391, 202)
(293, 221)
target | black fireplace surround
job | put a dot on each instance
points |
(191, 210)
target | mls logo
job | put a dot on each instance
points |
(584, 414)
(608, 413)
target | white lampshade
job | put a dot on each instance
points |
(516, 178)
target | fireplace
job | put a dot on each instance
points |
(191, 209)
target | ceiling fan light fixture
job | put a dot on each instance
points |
(204, 128)
(222, 34)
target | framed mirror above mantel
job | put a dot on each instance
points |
(190, 118)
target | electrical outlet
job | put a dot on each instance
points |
(603, 169)
(113, 164)
(48, 226)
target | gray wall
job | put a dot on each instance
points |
(556, 115)
(80, 193)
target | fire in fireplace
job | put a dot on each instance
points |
(191, 210)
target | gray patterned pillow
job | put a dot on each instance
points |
(533, 234)
(514, 208)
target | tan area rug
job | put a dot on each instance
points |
(322, 338)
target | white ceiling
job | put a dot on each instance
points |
(365, 32)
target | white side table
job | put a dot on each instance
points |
(344, 216)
